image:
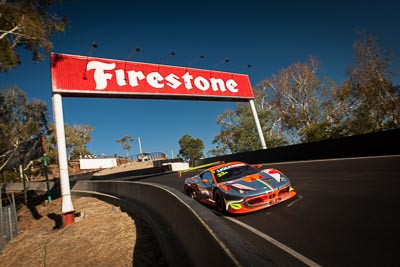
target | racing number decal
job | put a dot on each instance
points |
(220, 174)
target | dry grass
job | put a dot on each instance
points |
(125, 167)
(102, 236)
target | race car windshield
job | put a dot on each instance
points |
(232, 172)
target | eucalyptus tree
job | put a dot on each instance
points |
(77, 137)
(20, 119)
(302, 102)
(126, 141)
(238, 129)
(28, 24)
(190, 148)
(372, 99)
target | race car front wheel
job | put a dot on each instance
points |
(189, 191)
(219, 201)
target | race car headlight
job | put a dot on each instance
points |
(242, 191)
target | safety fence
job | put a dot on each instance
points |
(8, 221)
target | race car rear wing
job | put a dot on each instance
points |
(199, 167)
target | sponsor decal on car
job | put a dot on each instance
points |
(236, 206)
(277, 175)
(228, 167)
(266, 184)
(242, 186)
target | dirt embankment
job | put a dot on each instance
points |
(102, 236)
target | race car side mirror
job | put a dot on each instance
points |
(259, 166)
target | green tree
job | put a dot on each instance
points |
(302, 102)
(190, 148)
(20, 118)
(27, 24)
(372, 100)
(225, 140)
(51, 145)
(76, 138)
(126, 143)
(239, 132)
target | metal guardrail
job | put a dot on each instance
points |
(8, 222)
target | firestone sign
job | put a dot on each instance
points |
(98, 77)
(95, 77)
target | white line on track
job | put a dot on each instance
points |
(275, 242)
(298, 199)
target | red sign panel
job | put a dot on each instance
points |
(95, 77)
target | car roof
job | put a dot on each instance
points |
(213, 168)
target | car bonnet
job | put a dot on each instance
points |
(268, 180)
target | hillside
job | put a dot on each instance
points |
(102, 236)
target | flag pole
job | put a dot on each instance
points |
(46, 170)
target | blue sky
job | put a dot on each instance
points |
(269, 35)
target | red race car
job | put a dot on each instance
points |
(237, 187)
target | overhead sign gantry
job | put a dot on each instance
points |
(83, 76)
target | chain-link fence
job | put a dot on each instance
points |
(8, 221)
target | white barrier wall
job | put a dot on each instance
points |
(178, 166)
(102, 163)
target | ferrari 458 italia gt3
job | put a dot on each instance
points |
(237, 187)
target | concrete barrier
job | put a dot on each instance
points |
(189, 233)
(372, 144)
(38, 186)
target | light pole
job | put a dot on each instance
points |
(21, 172)
(140, 149)
(140, 146)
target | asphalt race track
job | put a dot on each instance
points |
(345, 214)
